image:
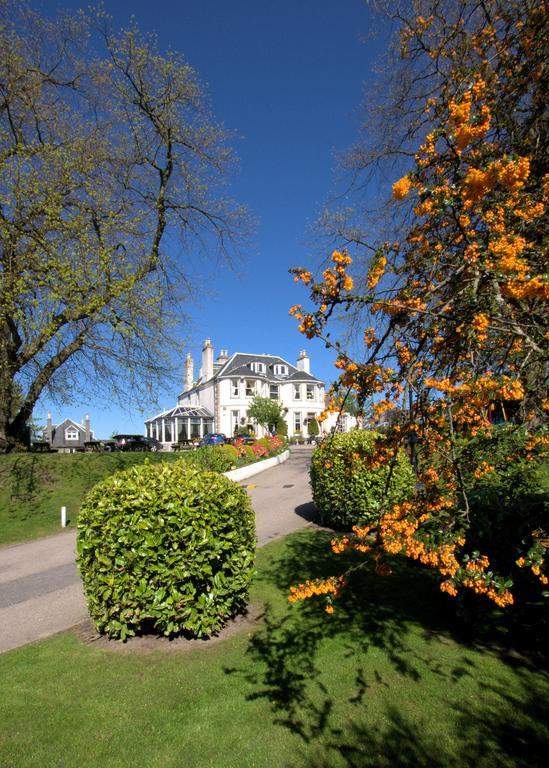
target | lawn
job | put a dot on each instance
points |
(34, 487)
(387, 680)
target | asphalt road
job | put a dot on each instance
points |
(40, 589)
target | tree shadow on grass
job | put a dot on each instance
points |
(504, 729)
(404, 617)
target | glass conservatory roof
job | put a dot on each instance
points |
(184, 412)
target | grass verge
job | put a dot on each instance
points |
(34, 487)
(387, 680)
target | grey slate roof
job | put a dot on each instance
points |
(239, 365)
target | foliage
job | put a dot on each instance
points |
(349, 486)
(165, 547)
(454, 310)
(265, 411)
(259, 451)
(281, 427)
(507, 489)
(244, 451)
(312, 427)
(272, 445)
(107, 149)
(217, 458)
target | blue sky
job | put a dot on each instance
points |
(288, 78)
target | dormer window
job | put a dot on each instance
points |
(258, 367)
(280, 370)
(71, 433)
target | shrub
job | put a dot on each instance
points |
(346, 490)
(218, 458)
(276, 444)
(312, 427)
(247, 453)
(165, 548)
(271, 444)
(281, 428)
(507, 485)
(259, 451)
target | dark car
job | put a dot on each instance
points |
(213, 438)
(133, 443)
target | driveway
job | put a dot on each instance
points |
(40, 589)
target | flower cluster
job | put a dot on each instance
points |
(330, 588)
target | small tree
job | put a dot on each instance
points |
(281, 428)
(312, 427)
(266, 412)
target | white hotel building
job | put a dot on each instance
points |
(219, 399)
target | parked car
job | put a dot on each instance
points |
(133, 443)
(213, 438)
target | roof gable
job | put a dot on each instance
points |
(70, 423)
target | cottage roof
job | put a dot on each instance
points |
(70, 423)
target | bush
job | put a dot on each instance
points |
(345, 490)
(259, 451)
(507, 491)
(165, 548)
(281, 428)
(312, 427)
(273, 445)
(218, 458)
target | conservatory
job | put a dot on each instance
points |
(182, 424)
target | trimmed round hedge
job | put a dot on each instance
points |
(345, 491)
(165, 548)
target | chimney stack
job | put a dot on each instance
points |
(207, 360)
(303, 362)
(188, 372)
(49, 430)
(222, 357)
(88, 430)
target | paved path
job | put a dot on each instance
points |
(40, 589)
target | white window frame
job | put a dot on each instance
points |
(310, 392)
(258, 367)
(277, 387)
(71, 433)
(235, 388)
(252, 389)
(235, 421)
(280, 370)
(297, 391)
(298, 423)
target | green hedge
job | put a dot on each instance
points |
(218, 458)
(345, 491)
(165, 548)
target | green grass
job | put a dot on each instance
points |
(34, 487)
(386, 681)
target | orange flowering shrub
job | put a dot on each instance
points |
(456, 334)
